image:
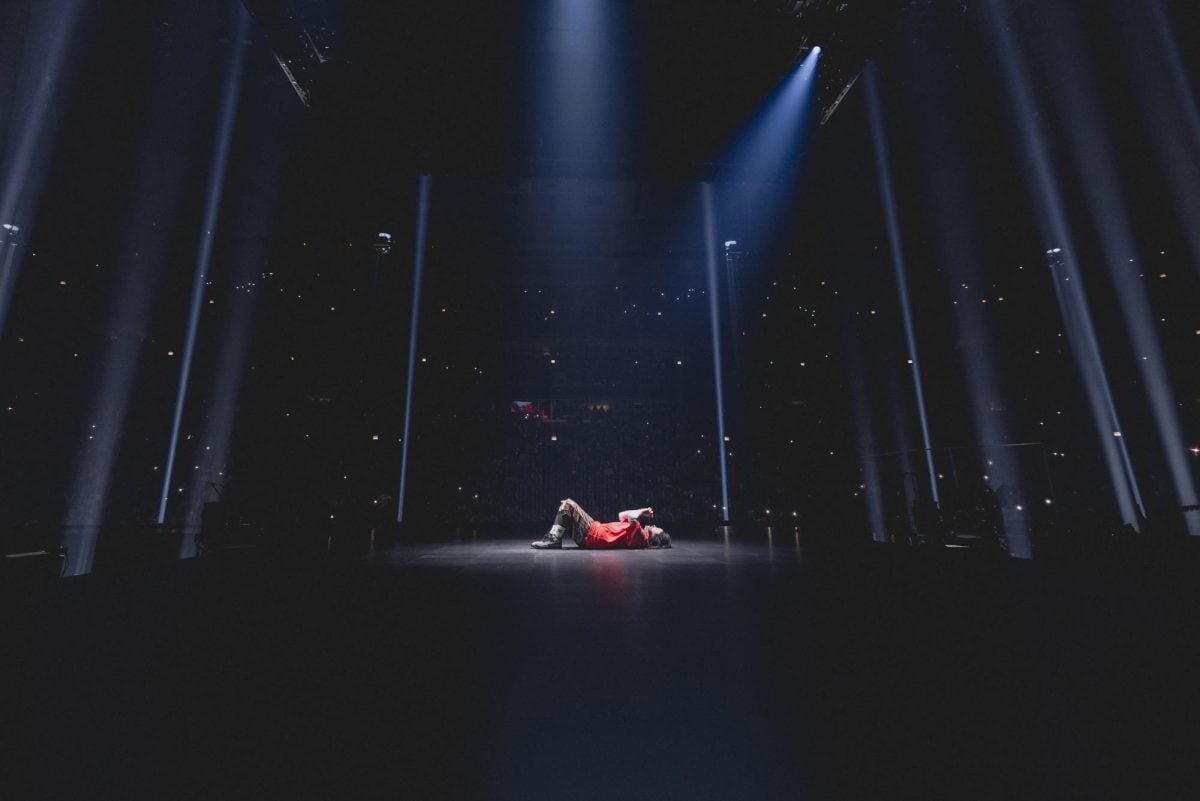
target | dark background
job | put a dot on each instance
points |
(545, 280)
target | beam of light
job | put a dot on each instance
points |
(867, 459)
(1096, 164)
(1171, 111)
(162, 169)
(156, 206)
(960, 262)
(761, 168)
(580, 82)
(879, 135)
(714, 314)
(1169, 48)
(910, 485)
(1081, 334)
(253, 221)
(10, 270)
(762, 165)
(426, 183)
(732, 258)
(216, 185)
(976, 342)
(769, 147)
(954, 213)
(216, 437)
(48, 45)
(1066, 278)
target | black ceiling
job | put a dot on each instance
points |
(445, 86)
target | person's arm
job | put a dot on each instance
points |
(636, 514)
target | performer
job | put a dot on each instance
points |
(588, 533)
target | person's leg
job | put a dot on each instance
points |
(579, 521)
(570, 519)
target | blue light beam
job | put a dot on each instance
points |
(1096, 163)
(714, 313)
(222, 403)
(879, 135)
(1172, 114)
(252, 221)
(161, 172)
(867, 459)
(1065, 275)
(47, 46)
(770, 144)
(1169, 48)
(581, 86)
(426, 183)
(949, 177)
(216, 186)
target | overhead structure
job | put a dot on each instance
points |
(303, 36)
(847, 32)
(451, 84)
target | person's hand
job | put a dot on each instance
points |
(648, 513)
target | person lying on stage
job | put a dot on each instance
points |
(588, 533)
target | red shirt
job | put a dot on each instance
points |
(628, 534)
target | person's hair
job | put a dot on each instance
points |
(660, 539)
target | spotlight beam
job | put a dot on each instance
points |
(1095, 162)
(883, 165)
(714, 315)
(867, 459)
(23, 170)
(216, 186)
(162, 169)
(954, 218)
(581, 96)
(426, 183)
(252, 223)
(763, 161)
(767, 149)
(1184, 92)
(222, 410)
(1172, 114)
(1067, 280)
(1081, 335)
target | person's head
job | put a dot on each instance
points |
(657, 538)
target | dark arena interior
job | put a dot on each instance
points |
(313, 312)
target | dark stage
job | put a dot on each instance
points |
(750, 664)
(312, 312)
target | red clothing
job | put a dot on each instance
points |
(627, 534)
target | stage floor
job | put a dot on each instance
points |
(757, 667)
